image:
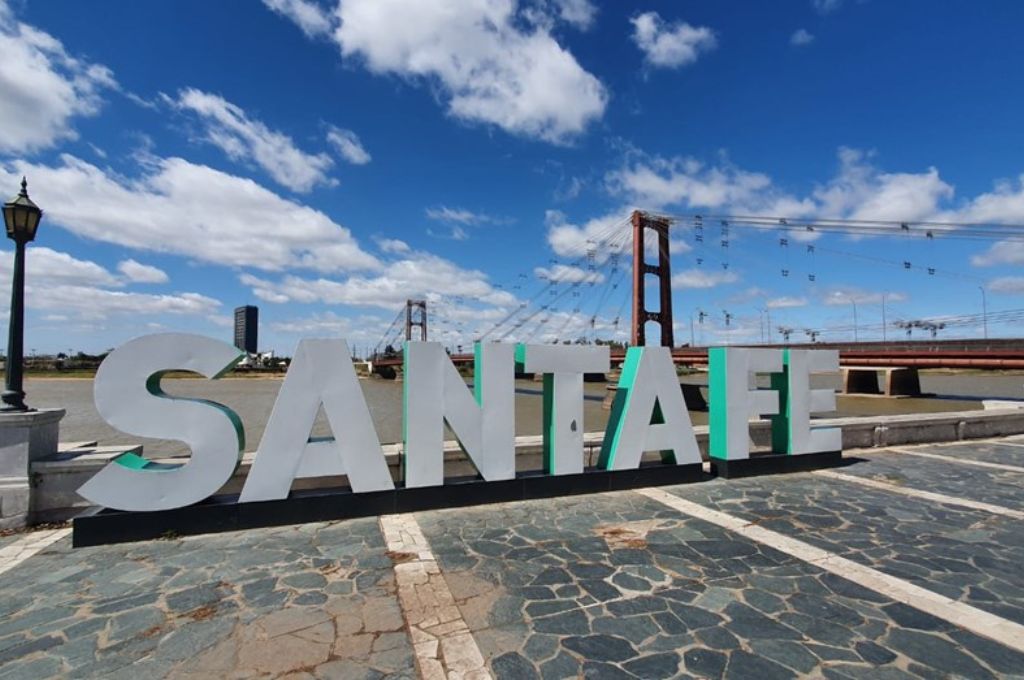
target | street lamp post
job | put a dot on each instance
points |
(21, 218)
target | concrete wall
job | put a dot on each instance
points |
(57, 480)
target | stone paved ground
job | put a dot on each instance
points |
(615, 585)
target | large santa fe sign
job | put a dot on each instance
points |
(648, 414)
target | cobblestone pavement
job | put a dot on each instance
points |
(315, 599)
(615, 585)
(973, 483)
(964, 554)
(1009, 452)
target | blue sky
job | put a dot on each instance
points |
(327, 160)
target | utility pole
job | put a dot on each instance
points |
(984, 311)
(883, 317)
(854, 303)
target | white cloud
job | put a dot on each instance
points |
(657, 182)
(849, 296)
(670, 45)
(46, 267)
(861, 192)
(602, 235)
(462, 216)
(561, 273)
(141, 273)
(456, 233)
(310, 17)
(485, 64)
(348, 146)
(858, 191)
(42, 87)
(579, 13)
(1001, 252)
(192, 210)
(458, 219)
(393, 245)
(81, 289)
(243, 139)
(327, 322)
(786, 302)
(801, 37)
(97, 303)
(826, 6)
(700, 278)
(1004, 204)
(419, 275)
(1010, 285)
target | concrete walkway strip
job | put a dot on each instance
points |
(958, 460)
(1001, 442)
(25, 547)
(925, 495)
(1007, 633)
(442, 641)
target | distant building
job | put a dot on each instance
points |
(246, 323)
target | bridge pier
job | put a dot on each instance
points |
(386, 372)
(899, 381)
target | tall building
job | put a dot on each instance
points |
(246, 323)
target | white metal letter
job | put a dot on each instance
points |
(802, 401)
(129, 396)
(733, 403)
(484, 425)
(321, 373)
(563, 367)
(648, 387)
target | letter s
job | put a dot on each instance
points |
(128, 395)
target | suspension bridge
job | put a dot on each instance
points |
(614, 284)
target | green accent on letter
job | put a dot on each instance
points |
(782, 439)
(131, 461)
(154, 385)
(619, 407)
(478, 373)
(718, 416)
(549, 423)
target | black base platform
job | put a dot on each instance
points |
(775, 463)
(225, 513)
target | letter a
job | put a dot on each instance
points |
(648, 414)
(321, 373)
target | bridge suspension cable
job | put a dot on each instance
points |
(923, 229)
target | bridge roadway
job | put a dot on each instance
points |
(1002, 354)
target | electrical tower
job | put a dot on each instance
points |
(416, 315)
(642, 222)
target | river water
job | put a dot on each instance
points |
(253, 398)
